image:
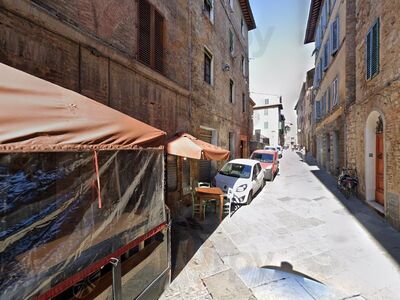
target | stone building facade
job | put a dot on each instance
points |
(331, 25)
(305, 114)
(220, 78)
(301, 118)
(373, 127)
(369, 103)
(144, 58)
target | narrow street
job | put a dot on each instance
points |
(298, 223)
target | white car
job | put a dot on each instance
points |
(244, 176)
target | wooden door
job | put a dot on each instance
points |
(379, 191)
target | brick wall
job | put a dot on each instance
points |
(89, 47)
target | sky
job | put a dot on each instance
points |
(278, 57)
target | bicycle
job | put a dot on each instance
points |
(348, 182)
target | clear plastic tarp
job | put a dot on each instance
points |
(55, 221)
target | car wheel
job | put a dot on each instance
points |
(249, 198)
(272, 176)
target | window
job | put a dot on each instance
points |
(208, 66)
(335, 94)
(326, 56)
(172, 173)
(231, 42)
(231, 4)
(231, 91)
(150, 36)
(265, 112)
(231, 144)
(243, 66)
(242, 26)
(335, 36)
(316, 81)
(209, 9)
(323, 19)
(266, 101)
(244, 103)
(323, 106)
(372, 45)
(327, 10)
(320, 69)
(318, 110)
(265, 125)
(328, 99)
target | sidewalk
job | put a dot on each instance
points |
(297, 226)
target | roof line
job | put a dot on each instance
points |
(248, 14)
(313, 15)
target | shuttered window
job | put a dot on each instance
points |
(243, 65)
(335, 94)
(244, 103)
(326, 56)
(208, 7)
(158, 41)
(372, 45)
(231, 43)
(328, 99)
(207, 66)
(335, 36)
(150, 36)
(172, 173)
(144, 49)
(231, 91)
(318, 110)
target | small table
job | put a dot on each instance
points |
(211, 193)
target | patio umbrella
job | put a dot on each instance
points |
(186, 145)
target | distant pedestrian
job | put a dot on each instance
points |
(303, 153)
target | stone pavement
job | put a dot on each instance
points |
(298, 239)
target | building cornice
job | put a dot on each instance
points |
(313, 16)
(248, 14)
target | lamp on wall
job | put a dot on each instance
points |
(226, 68)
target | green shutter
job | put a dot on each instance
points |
(375, 49)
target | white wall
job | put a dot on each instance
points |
(259, 118)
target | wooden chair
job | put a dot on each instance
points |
(213, 202)
(196, 206)
(228, 202)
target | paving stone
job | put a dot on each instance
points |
(227, 285)
(339, 242)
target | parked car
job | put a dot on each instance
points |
(280, 151)
(269, 162)
(244, 176)
(272, 148)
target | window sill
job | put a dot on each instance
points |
(372, 76)
(206, 16)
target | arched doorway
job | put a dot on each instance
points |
(375, 158)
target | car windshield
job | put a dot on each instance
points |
(236, 170)
(263, 157)
(269, 148)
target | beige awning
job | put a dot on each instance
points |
(36, 115)
(186, 145)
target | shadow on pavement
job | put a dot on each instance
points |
(369, 218)
(188, 234)
(288, 268)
